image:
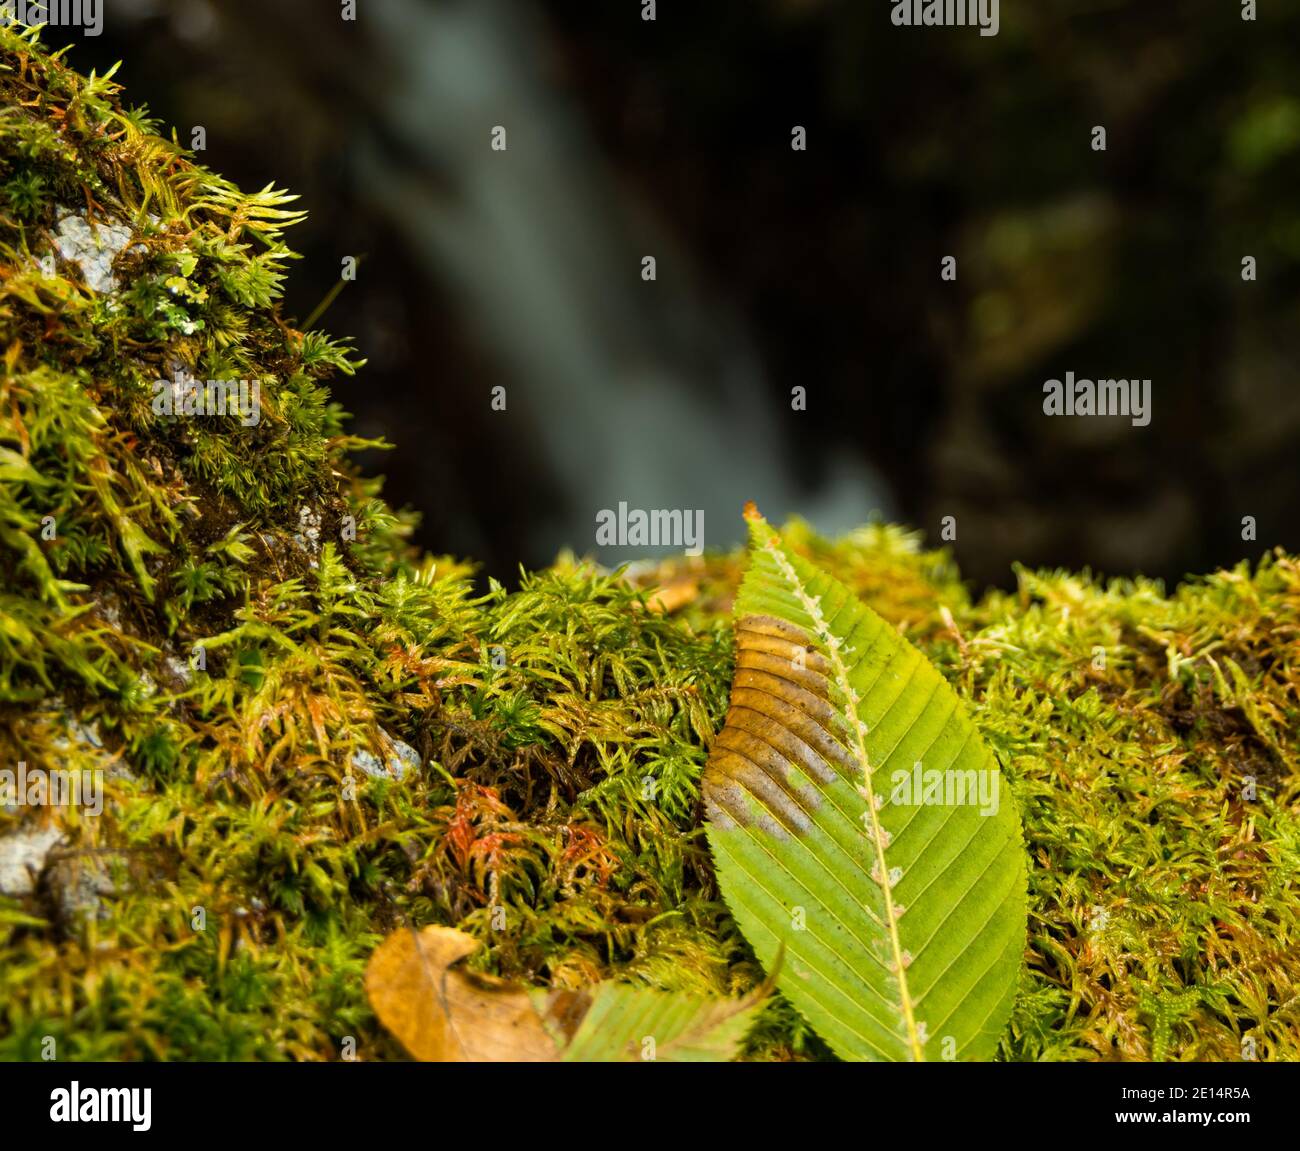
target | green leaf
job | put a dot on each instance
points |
(626, 1023)
(902, 915)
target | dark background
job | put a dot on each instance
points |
(778, 268)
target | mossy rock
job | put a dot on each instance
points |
(311, 734)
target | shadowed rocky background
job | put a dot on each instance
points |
(777, 268)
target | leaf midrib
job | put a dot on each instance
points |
(850, 695)
(811, 991)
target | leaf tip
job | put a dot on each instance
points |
(751, 512)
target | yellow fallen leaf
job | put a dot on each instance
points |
(442, 1014)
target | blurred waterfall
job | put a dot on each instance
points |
(644, 392)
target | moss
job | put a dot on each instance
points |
(237, 645)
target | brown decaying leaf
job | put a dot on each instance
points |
(671, 597)
(442, 1014)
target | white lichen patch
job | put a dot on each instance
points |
(399, 759)
(177, 671)
(92, 247)
(307, 537)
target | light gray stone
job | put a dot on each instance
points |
(22, 858)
